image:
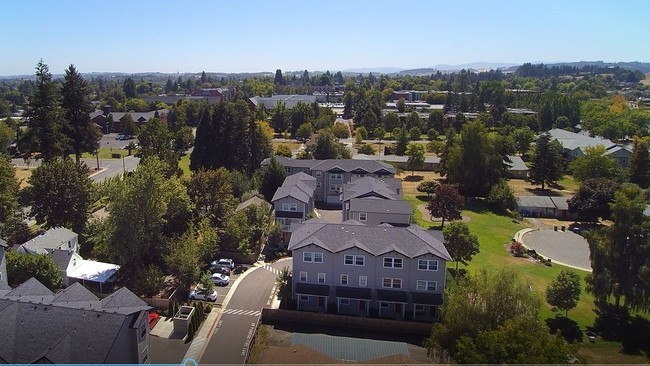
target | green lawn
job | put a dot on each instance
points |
(106, 153)
(494, 232)
(184, 164)
(568, 183)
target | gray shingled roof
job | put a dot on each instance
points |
(349, 165)
(369, 187)
(535, 201)
(376, 240)
(255, 200)
(54, 238)
(299, 191)
(305, 178)
(516, 163)
(61, 258)
(571, 140)
(378, 205)
(71, 326)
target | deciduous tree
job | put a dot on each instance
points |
(60, 194)
(460, 242)
(415, 159)
(428, 187)
(22, 266)
(593, 199)
(564, 292)
(211, 193)
(283, 150)
(595, 163)
(446, 203)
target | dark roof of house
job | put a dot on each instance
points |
(69, 327)
(54, 238)
(377, 240)
(378, 205)
(145, 116)
(370, 187)
(61, 258)
(571, 140)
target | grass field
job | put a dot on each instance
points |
(107, 153)
(494, 232)
(184, 164)
(23, 174)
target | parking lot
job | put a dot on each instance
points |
(222, 291)
(109, 141)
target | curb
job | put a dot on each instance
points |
(519, 237)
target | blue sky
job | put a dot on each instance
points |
(241, 36)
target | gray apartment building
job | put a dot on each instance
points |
(374, 201)
(362, 270)
(3, 265)
(293, 202)
(332, 174)
(72, 326)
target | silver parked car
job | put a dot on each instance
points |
(200, 294)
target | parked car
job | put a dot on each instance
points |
(120, 137)
(220, 279)
(200, 294)
(226, 262)
(220, 269)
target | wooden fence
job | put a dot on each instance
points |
(271, 316)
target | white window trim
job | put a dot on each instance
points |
(321, 277)
(393, 282)
(354, 260)
(384, 305)
(303, 298)
(365, 281)
(347, 280)
(301, 276)
(308, 257)
(428, 261)
(393, 262)
(317, 256)
(318, 173)
(344, 301)
(365, 216)
(423, 285)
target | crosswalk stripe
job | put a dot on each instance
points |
(242, 312)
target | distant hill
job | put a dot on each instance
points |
(376, 70)
(450, 68)
(633, 65)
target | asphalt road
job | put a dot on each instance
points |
(111, 167)
(232, 334)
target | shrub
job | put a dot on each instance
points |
(517, 249)
(208, 308)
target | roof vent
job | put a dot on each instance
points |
(22, 321)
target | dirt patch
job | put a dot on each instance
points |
(410, 183)
(523, 188)
(23, 174)
(426, 216)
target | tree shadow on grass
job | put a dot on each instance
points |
(413, 178)
(543, 192)
(616, 324)
(423, 198)
(568, 328)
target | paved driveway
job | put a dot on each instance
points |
(333, 216)
(564, 247)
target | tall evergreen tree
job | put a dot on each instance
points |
(76, 104)
(9, 187)
(129, 88)
(546, 166)
(620, 254)
(639, 168)
(272, 177)
(46, 133)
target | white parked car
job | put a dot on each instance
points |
(224, 262)
(200, 294)
(220, 279)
